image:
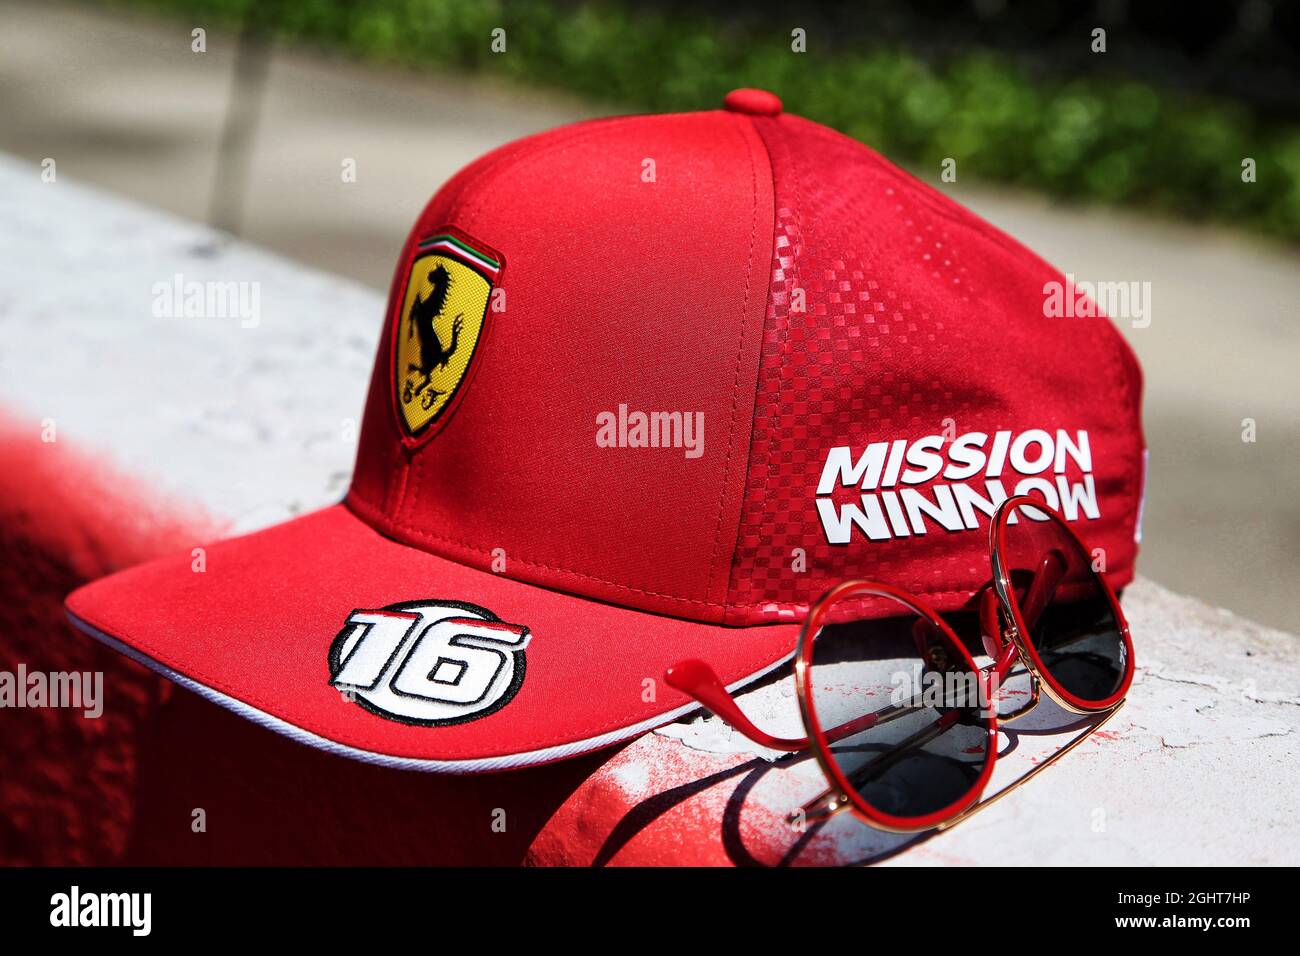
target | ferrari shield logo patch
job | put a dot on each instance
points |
(443, 312)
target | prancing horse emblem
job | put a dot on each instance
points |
(432, 354)
(443, 313)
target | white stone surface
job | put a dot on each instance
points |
(256, 424)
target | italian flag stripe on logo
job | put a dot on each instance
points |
(450, 245)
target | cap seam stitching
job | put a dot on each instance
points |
(797, 277)
(735, 389)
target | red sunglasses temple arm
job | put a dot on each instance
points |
(697, 679)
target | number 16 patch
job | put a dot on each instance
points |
(429, 663)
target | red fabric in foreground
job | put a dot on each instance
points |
(68, 784)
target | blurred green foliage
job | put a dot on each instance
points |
(1095, 138)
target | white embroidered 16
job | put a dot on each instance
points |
(429, 663)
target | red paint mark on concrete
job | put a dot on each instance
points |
(65, 518)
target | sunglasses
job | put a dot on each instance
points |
(901, 719)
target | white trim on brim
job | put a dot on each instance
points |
(479, 765)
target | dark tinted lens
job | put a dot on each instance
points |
(1071, 622)
(901, 711)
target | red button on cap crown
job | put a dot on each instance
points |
(754, 102)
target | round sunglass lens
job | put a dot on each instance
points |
(1070, 619)
(900, 708)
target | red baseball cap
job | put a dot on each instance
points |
(648, 386)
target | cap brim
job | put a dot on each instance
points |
(251, 628)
